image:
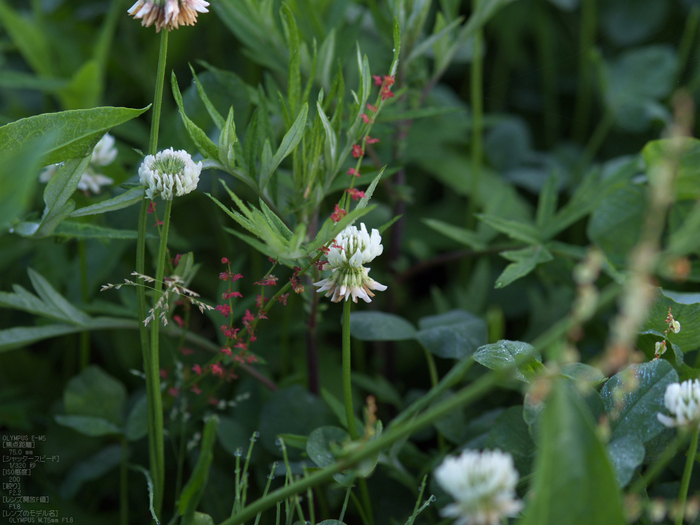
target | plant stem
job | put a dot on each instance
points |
(691, 26)
(158, 465)
(347, 370)
(683, 496)
(477, 100)
(155, 411)
(585, 73)
(124, 484)
(84, 295)
(668, 454)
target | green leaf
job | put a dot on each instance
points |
(136, 426)
(321, 446)
(290, 141)
(515, 229)
(682, 155)
(18, 337)
(200, 518)
(504, 354)
(72, 134)
(84, 89)
(95, 393)
(228, 141)
(685, 313)
(370, 190)
(338, 409)
(583, 372)
(510, 433)
(634, 396)
(232, 435)
(616, 223)
(126, 199)
(525, 261)
(92, 468)
(83, 230)
(31, 41)
(88, 425)
(213, 112)
(380, 326)
(203, 143)
(626, 454)
(291, 410)
(55, 300)
(452, 335)
(574, 482)
(547, 203)
(461, 235)
(194, 489)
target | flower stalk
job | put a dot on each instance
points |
(685, 483)
(347, 372)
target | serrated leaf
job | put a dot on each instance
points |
(72, 134)
(380, 326)
(290, 141)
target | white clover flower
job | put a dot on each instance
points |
(169, 173)
(103, 154)
(350, 251)
(483, 486)
(683, 402)
(168, 14)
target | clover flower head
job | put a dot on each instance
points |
(168, 14)
(169, 173)
(483, 486)
(350, 251)
(683, 402)
(91, 180)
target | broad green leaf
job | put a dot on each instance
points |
(510, 433)
(524, 261)
(72, 134)
(616, 223)
(126, 199)
(200, 518)
(504, 354)
(331, 522)
(291, 410)
(518, 230)
(380, 326)
(574, 482)
(194, 489)
(686, 314)
(456, 233)
(19, 170)
(95, 393)
(583, 372)
(626, 454)
(634, 396)
(232, 435)
(89, 425)
(31, 41)
(322, 444)
(452, 335)
(92, 468)
(136, 425)
(680, 155)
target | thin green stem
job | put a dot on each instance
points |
(685, 483)
(596, 141)
(691, 27)
(347, 372)
(158, 96)
(585, 70)
(158, 465)
(477, 100)
(668, 454)
(84, 295)
(124, 484)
